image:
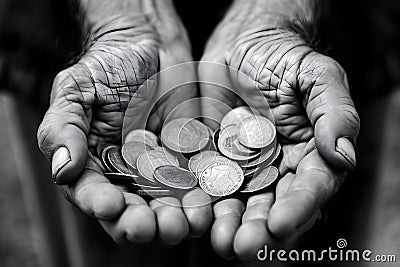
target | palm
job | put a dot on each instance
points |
(105, 79)
(88, 104)
(305, 91)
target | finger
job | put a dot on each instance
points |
(171, 221)
(137, 223)
(227, 215)
(283, 185)
(305, 227)
(197, 208)
(293, 154)
(314, 184)
(95, 195)
(330, 109)
(253, 234)
(62, 133)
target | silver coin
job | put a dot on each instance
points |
(148, 161)
(265, 159)
(132, 150)
(104, 157)
(142, 136)
(257, 132)
(168, 155)
(116, 161)
(196, 159)
(215, 137)
(262, 180)
(221, 178)
(185, 135)
(231, 147)
(207, 161)
(174, 177)
(120, 178)
(266, 155)
(129, 180)
(236, 115)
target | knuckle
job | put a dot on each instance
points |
(43, 135)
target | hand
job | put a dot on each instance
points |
(315, 118)
(88, 102)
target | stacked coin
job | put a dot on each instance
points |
(236, 157)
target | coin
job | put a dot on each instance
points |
(207, 161)
(221, 178)
(116, 161)
(262, 180)
(120, 177)
(185, 135)
(148, 161)
(104, 157)
(129, 180)
(231, 147)
(215, 137)
(247, 172)
(132, 150)
(142, 136)
(256, 132)
(265, 159)
(168, 155)
(175, 177)
(266, 155)
(236, 115)
(197, 158)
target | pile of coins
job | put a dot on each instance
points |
(237, 157)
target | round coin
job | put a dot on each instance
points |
(265, 159)
(231, 147)
(148, 161)
(132, 150)
(168, 155)
(104, 157)
(221, 178)
(256, 132)
(196, 159)
(262, 180)
(207, 161)
(116, 161)
(142, 136)
(250, 172)
(236, 115)
(215, 137)
(185, 135)
(174, 177)
(120, 178)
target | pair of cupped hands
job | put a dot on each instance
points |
(307, 92)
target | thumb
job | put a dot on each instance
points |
(330, 109)
(62, 133)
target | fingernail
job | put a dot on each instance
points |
(346, 149)
(60, 158)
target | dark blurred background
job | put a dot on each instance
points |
(39, 228)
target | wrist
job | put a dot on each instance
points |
(298, 15)
(103, 20)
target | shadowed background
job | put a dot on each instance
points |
(39, 228)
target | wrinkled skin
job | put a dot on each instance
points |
(88, 102)
(307, 92)
(310, 102)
